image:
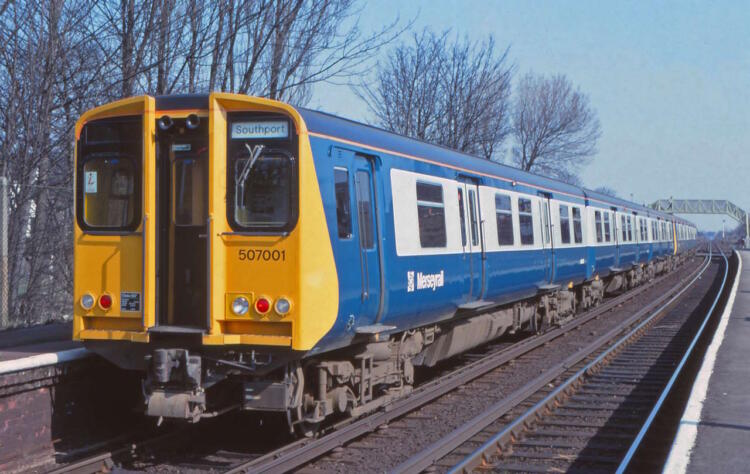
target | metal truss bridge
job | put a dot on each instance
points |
(704, 206)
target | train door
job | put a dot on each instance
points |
(616, 235)
(358, 238)
(182, 200)
(475, 251)
(548, 249)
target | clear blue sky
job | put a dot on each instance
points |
(669, 81)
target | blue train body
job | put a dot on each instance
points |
(374, 284)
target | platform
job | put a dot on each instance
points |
(26, 348)
(714, 432)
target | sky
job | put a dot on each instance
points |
(670, 82)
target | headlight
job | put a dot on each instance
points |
(87, 301)
(240, 305)
(282, 306)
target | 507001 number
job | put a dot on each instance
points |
(255, 255)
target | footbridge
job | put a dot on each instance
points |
(705, 206)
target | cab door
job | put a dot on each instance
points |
(355, 183)
(182, 180)
(114, 221)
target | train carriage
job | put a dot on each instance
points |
(247, 254)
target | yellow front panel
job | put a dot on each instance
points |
(269, 266)
(298, 266)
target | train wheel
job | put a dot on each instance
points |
(298, 416)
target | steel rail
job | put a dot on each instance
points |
(511, 432)
(655, 410)
(104, 462)
(289, 458)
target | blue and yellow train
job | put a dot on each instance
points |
(244, 253)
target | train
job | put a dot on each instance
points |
(241, 253)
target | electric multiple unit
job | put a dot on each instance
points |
(246, 254)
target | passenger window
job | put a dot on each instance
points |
(108, 192)
(564, 225)
(431, 215)
(577, 225)
(504, 218)
(364, 209)
(624, 228)
(598, 225)
(545, 222)
(462, 215)
(526, 221)
(343, 202)
(473, 217)
(607, 234)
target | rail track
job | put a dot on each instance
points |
(603, 404)
(301, 452)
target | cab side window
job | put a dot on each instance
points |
(343, 202)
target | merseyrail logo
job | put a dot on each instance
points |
(424, 281)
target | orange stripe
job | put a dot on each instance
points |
(426, 160)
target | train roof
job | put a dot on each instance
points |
(374, 137)
(331, 125)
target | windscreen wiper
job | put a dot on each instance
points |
(255, 153)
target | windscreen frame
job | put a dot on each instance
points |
(286, 146)
(89, 150)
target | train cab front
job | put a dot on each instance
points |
(188, 246)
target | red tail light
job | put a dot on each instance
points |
(105, 301)
(262, 305)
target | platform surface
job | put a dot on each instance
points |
(16, 344)
(714, 433)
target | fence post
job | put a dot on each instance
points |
(4, 277)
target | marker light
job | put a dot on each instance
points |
(165, 123)
(282, 306)
(87, 301)
(262, 305)
(240, 305)
(105, 301)
(193, 121)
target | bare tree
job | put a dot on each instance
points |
(606, 190)
(407, 94)
(271, 48)
(45, 71)
(456, 94)
(554, 127)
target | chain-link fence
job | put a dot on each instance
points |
(36, 253)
